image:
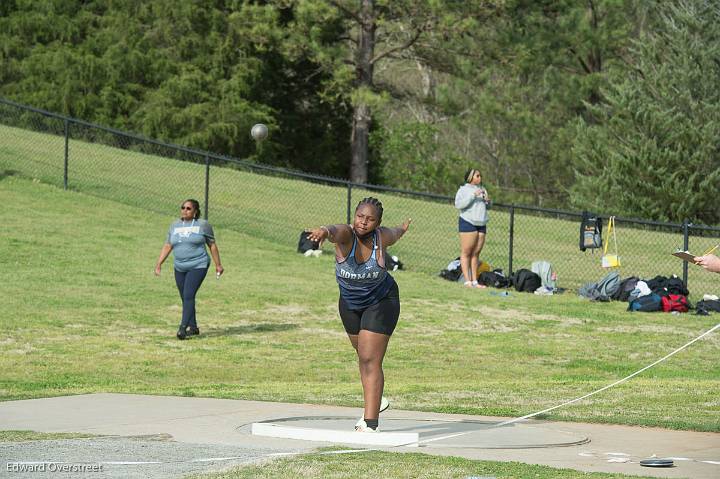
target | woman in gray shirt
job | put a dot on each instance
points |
(472, 200)
(187, 238)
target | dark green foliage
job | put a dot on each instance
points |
(400, 147)
(194, 73)
(521, 79)
(499, 85)
(652, 147)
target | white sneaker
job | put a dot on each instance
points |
(384, 404)
(361, 426)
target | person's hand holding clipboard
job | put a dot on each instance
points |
(707, 260)
(687, 256)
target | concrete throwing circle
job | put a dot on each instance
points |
(396, 431)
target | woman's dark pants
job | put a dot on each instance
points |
(188, 284)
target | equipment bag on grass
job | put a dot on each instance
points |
(453, 272)
(495, 278)
(393, 263)
(609, 285)
(675, 302)
(451, 275)
(525, 280)
(648, 303)
(626, 287)
(305, 243)
(548, 278)
(705, 306)
(676, 285)
(602, 290)
(658, 283)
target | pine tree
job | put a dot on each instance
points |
(652, 149)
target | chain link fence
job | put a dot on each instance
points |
(277, 204)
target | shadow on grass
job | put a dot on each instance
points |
(248, 329)
(7, 173)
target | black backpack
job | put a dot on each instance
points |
(675, 285)
(393, 263)
(451, 275)
(705, 306)
(304, 243)
(626, 287)
(495, 278)
(590, 231)
(657, 284)
(525, 280)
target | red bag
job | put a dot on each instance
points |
(675, 302)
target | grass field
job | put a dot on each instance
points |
(277, 208)
(24, 436)
(85, 314)
(411, 466)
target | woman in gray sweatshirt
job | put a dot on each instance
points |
(472, 200)
(187, 239)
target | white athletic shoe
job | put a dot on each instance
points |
(384, 405)
(360, 422)
(361, 426)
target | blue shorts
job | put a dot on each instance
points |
(465, 226)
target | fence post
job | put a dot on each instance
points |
(512, 237)
(686, 245)
(207, 185)
(65, 161)
(349, 199)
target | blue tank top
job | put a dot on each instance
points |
(364, 284)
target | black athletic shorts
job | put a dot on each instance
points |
(381, 317)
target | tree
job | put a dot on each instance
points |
(501, 93)
(369, 32)
(652, 148)
(521, 80)
(413, 158)
(195, 73)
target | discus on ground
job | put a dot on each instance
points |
(657, 462)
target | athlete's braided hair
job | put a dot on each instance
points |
(374, 202)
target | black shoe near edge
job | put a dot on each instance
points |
(192, 331)
(181, 333)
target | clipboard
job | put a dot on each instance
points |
(685, 255)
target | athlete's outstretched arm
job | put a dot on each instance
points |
(391, 235)
(339, 234)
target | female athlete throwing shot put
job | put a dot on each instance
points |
(369, 301)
